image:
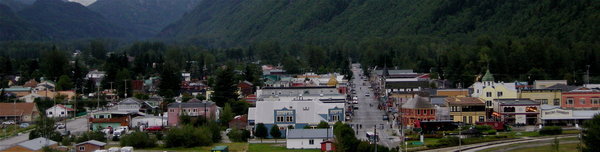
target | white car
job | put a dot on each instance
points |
(355, 101)
(367, 95)
(10, 122)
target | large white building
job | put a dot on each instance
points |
(307, 138)
(59, 110)
(297, 106)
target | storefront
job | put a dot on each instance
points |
(555, 116)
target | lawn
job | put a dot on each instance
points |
(233, 147)
(562, 147)
(276, 148)
(12, 130)
(521, 144)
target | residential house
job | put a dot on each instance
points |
(45, 85)
(31, 97)
(114, 119)
(307, 138)
(582, 98)
(59, 110)
(489, 91)
(246, 88)
(17, 91)
(96, 75)
(516, 111)
(543, 84)
(89, 146)
(239, 122)
(416, 109)
(31, 83)
(466, 109)
(129, 105)
(20, 112)
(206, 109)
(34, 145)
(543, 96)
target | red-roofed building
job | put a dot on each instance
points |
(239, 122)
(246, 88)
(59, 110)
(251, 99)
(20, 112)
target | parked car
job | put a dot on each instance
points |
(9, 122)
(367, 94)
(120, 131)
(24, 125)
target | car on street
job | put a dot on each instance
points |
(355, 101)
(386, 117)
(24, 125)
(367, 94)
(355, 108)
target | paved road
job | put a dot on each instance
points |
(76, 126)
(368, 115)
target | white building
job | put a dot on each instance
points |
(59, 110)
(517, 111)
(297, 106)
(30, 97)
(307, 138)
(129, 105)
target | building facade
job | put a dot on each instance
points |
(307, 138)
(466, 109)
(59, 110)
(517, 111)
(417, 109)
(206, 109)
(543, 96)
(582, 98)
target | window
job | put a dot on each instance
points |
(311, 142)
(488, 103)
(570, 101)
(557, 102)
(595, 100)
(194, 110)
(488, 94)
(471, 119)
(418, 112)
(81, 148)
(62, 112)
(464, 119)
(509, 109)
(335, 118)
(582, 101)
(50, 112)
(172, 110)
(289, 119)
(279, 119)
(500, 94)
(481, 119)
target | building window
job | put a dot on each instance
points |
(62, 113)
(557, 102)
(500, 94)
(488, 94)
(194, 110)
(570, 101)
(582, 101)
(595, 100)
(171, 110)
(279, 119)
(488, 103)
(418, 112)
(509, 109)
(49, 113)
(311, 142)
(335, 118)
(481, 119)
(471, 119)
(464, 119)
(81, 148)
(289, 119)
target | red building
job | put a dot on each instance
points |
(417, 109)
(246, 88)
(581, 98)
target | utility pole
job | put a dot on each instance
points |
(125, 81)
(587, 75)
(98, 94)
(376, 137)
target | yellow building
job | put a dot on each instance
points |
(543, 96)
(488, 90)
(466, 109)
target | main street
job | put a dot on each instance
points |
(76, 126)
(368, 115)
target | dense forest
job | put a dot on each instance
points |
(456, 40)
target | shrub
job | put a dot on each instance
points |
(489, 132)
(91, 135)
(483, 128)
(551, 130)
(138, 140)
(238, 135)
(188, 136)
(448, 141)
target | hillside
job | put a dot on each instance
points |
(146, 17)
(59, 20)
(237, 23)
(12, 27)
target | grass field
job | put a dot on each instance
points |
(563, 147)
(567, 145)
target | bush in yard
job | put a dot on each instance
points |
(188, 136)
(448, 141)
(138, 140)
(91, 135)
(551, 130)
(239, 135)
(483, 128)
(215, 131)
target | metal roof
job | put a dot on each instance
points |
(191, 104)
(37, 144)
(418, 102)
(309, 133)
(93, 142)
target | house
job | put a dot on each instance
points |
(543, 84)
(59, 110)
(239, 122)
(31, 97)
(297, 106)
(17, 91)
(89, 146)
(113, 119)
(129, 105)
(307, 138)
(20, 112)
(417, 109)
(148, 121)
(516, 111)
(95, 75)
(466, 109)
(206, 109)
(582, 98)
(489, 90)
(34, 145)
(45, 85)
(31, 83)
(246, 88)
(557, 116)
(442, 110)
(543, 96)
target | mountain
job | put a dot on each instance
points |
(60, 20)
(146, 17)
(14, 4)
(83, 2)
(12, 27)
(226, 23)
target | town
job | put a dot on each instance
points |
(394, 109)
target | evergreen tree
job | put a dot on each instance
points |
(323, 125)
(261, 131)
(64, 83)
(54, 64)
(226, 115)
(591, 134)
(275, 132)
(225, 86)
(170, 82)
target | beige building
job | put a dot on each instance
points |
(543, 96)
(466, 109)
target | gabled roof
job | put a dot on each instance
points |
(37, 143)
(93, 142)
(130, 100)
(563, 87)
(16, 109)
(309, 133)
(64, 107)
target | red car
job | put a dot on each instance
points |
(155, 128)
